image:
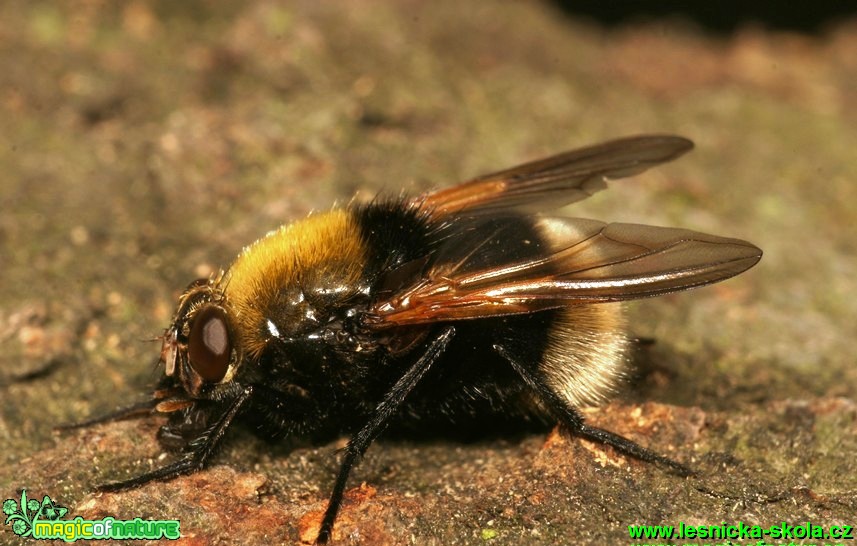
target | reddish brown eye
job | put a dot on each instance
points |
(208, 345)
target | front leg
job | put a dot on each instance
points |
(200, 450)
(139, 409)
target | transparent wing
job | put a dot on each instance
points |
(556, 181)
(587, 262)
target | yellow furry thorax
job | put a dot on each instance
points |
(322, 251)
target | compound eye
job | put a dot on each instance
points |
(208, 345)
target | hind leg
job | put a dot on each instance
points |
(574, 422)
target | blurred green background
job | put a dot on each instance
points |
(143, 143)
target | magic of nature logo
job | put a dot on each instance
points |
(44, 520)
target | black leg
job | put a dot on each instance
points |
(378, 421)
(201, 450)
(136, 410)
(573, 420)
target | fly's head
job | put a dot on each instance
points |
(199, 352)
(199, 356)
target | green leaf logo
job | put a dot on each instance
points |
(51, 511)
(23, 516)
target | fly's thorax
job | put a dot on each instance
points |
(295, 279)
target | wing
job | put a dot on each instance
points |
(556, 181)
(585, 261)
